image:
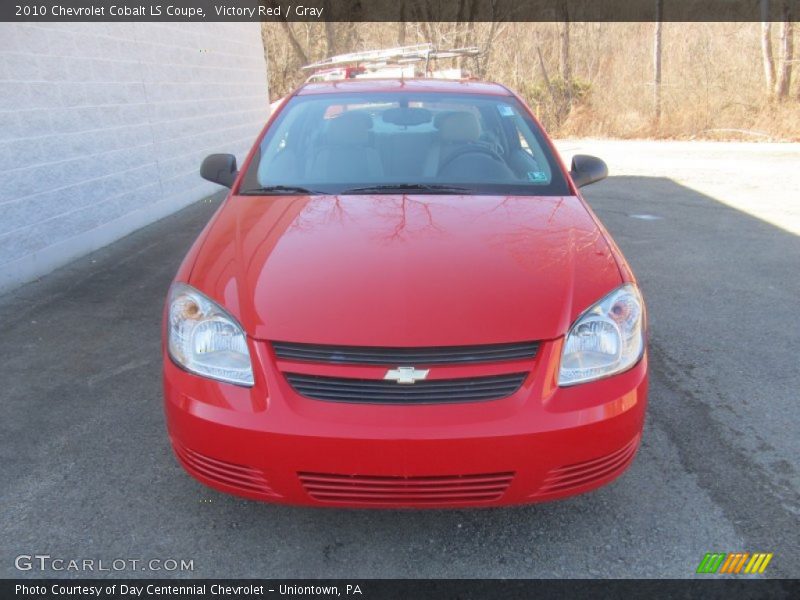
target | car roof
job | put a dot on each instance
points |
(412, 85)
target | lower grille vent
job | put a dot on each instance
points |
(579, 474)
(408, 491)
(245, 479)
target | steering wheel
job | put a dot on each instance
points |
(471, 149)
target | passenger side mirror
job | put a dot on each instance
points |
(219, 168)
(587, 169)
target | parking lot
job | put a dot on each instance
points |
(711, 230)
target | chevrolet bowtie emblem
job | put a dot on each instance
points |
(405, 374)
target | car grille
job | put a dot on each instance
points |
(436, 355)
(584, 473)
(342, 389)
(238, 477)
(408, 491)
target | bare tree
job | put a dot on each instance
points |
(558, 105)
(469, 33)
(401, 26)
(607, 63)
(564, 61)
(330, 38)
(766, 48)
(462, 16)
(784, 79)
(295, 43)
(421, 15)
(495, 29)
(657, 61)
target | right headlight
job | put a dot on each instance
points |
(204, 339)
(606, 339)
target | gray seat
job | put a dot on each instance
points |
(403, 154)
(455, 129)
(458, 131)
(346, 154)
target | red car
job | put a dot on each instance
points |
(404, 301)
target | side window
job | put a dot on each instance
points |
(526, 158)
(524, 143)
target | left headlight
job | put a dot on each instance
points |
(206, 340)
(606, 339)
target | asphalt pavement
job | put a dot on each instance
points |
(87, 472)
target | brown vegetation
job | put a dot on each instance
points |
(718, 80)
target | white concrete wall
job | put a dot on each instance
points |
(103, 127)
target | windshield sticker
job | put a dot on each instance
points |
(505, 110)
(537, 176)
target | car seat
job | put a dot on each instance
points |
(346, 154)
(458, 131)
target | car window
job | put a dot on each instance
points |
(337, 143)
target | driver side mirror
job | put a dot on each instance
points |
(587, 169)
(219, 168)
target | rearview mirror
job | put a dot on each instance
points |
(405, 116)
(219, 168)
(587, 169)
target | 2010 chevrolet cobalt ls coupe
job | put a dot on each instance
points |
(404, 302)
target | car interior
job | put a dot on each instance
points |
(393, 142)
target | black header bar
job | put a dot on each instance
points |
(393, 10)
(708, 588)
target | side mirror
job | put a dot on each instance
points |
(219, 168)
(587, 169)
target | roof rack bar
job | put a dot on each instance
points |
(401, 54)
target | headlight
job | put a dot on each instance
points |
(606, 339)
(205, 339)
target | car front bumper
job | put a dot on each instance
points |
(542, 443)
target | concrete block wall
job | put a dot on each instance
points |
(103, 127)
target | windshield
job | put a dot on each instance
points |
(425, 142)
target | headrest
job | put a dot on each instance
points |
(441, 116)
(350, 128)
(460, 127)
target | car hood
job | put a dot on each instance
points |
(405, 270)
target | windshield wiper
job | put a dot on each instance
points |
(280, 190)
(422, 188)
